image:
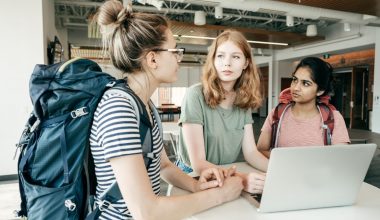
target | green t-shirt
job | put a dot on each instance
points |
(223, 129)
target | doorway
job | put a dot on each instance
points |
(351, 96)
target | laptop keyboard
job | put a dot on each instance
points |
(257, 197)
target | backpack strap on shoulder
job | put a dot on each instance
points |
(278, 115)
(327, 122)
(113, 194)
(145, 127)
(157, 117)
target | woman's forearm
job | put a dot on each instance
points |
(258, 161)
(176, 177)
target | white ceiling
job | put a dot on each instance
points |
(262, 20)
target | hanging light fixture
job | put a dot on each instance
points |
(346, 27)
(218, 12)
(156, 3)
(289, 21)
(200, 18)
(311, 30)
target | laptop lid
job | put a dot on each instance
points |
(315, 177)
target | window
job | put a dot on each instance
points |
(173, 95)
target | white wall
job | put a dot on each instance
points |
(267, 61)
(62, 36)
(79, 37)
(50, 30)
(22, 46)
(27, 31)
(188, 74)
(277, 70)
(336, 41)
(286, 68)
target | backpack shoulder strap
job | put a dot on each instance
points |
(136, 105)
(328, 122)
(278, 114)
(142, 121)
(157, 117)
(113, 194)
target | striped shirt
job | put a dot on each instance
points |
(115, 133)
(306, 132)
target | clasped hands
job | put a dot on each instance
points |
(215, 177)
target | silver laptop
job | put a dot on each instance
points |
(313, 177)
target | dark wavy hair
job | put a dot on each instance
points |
(321, 73)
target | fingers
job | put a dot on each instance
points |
(212, 174)
(230, 172)
(214, 177)
(208, 185)
(255, 182)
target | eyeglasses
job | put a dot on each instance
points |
(177, 51)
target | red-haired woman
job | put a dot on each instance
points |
(216, 120)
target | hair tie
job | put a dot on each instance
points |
(122, 16)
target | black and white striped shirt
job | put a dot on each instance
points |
(115, 133)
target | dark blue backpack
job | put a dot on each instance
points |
(55, 167)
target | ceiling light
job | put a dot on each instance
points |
(156, 3)
(249, 41)
(346, 27)
(200, 18)
(369, 17)
(311, 30)
(260, 51)
(218, 12)
(267, 42)
(324, 43)
(289, 21)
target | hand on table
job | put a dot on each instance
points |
(214, 177)
(254, 182)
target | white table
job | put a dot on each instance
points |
(367, 207)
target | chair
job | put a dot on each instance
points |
(171, 133)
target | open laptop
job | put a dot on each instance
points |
(313, 177)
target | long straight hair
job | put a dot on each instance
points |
(247, 86)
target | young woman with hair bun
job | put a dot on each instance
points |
(143, 48)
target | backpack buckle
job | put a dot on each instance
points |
(150, 155)
(111, 84)
(103, 205)
(70, 205)
(79, 112)
(34, 126)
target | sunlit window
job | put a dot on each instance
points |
(172, 95)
